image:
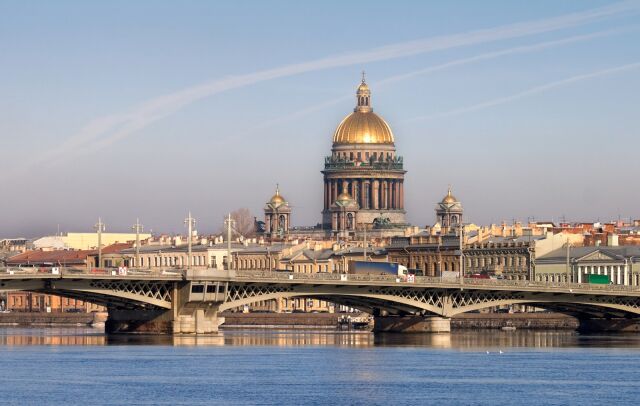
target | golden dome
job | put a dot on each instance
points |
(277, 199)
(449, 198)
(363, 87)
(363, 128)
(344, 197)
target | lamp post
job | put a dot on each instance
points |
(137, 227)
(229, 224)
(461, 245)
(100, 227)
(190, 222)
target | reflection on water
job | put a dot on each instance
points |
(466, 340)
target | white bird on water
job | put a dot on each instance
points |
(501, 352)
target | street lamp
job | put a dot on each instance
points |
(190, 223)
(137, 227)
(100, 227)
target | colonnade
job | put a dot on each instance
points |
(618, 274)
(369, 193)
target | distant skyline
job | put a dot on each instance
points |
(152, 109)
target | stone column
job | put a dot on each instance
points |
(334, 221)
(345, 186)
(362, 194)
(396, 192)
(401, 205)
(335, 191)
(326, 194)
(367, 196)
(376, 191)
(383, 194)
(356, 190)
(579, 274)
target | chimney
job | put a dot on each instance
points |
(612, 240)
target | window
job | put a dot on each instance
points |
(197, 288)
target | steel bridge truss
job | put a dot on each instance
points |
(118, 293)
(445, 302)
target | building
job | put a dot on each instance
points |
(203, 256)
(277, 217)
(84, 241)
(449, 213)
(364, 168)
(42, 302)
(620, 263)
(509, 256)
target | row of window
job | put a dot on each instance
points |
(377, 156)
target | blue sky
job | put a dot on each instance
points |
(151, 109)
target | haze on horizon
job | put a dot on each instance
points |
(153, 109)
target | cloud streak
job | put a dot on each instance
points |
(107, 130)
(530, 92)
(436, 68)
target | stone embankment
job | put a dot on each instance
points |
(51, 319)
(532, 321)
(529, 321)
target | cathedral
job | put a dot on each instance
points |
(363, 181)
(363, 177)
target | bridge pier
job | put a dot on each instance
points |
(188, 320)
(620, 325)
(412, 324)
(194, 310)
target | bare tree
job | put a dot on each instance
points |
(244, 223)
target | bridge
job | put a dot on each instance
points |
(190, 301)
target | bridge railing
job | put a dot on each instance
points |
(70, 271)
(296, 276)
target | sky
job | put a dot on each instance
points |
(151, 109)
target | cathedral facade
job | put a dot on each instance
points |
(363, 176)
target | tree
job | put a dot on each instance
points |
(244, 223)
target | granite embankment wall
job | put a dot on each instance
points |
(533, 321)
(50, 319)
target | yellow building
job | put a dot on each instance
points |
(84, 241)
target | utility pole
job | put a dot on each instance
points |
(461, 235)
(190, 222)
(100, 227)
(568, 262)
(138, 229)
(229, 223)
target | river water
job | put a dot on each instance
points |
(83, 366)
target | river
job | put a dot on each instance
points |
(83, 366)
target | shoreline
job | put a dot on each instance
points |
(329, 321)
(306, 321)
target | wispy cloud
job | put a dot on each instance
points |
(105, 131)
(436, 68)
(530, 92)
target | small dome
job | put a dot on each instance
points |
(363, 88)
(449, 198)
(344, 197)
(277, 199)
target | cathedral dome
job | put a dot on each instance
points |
(363, 126)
